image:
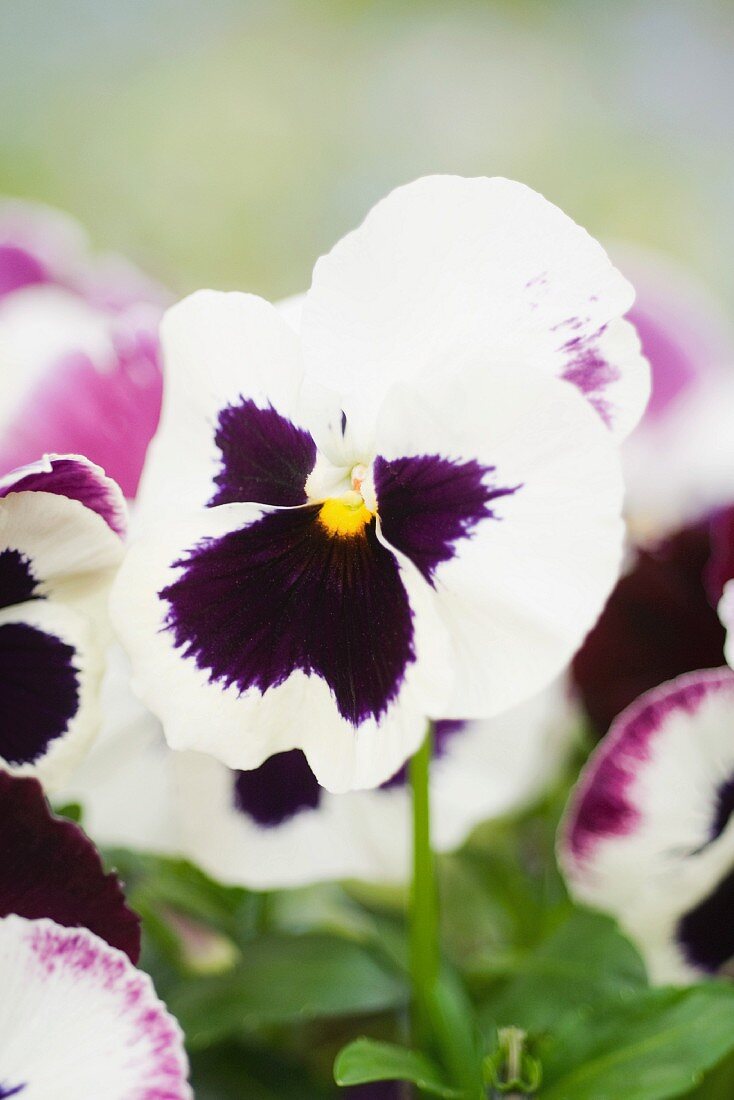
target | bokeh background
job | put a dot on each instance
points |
(229, 142)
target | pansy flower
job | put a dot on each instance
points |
(649, 836)
(79, 356)
(409, 510)
(60, 525)
(77, 1020)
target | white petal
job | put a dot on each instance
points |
(641, 839)
(79, 1022)
(726, 614)
(523, 589)
(488, 769)
(217, 348)
(60, 755)
(125, 783)
(446, 271)
(244, 729)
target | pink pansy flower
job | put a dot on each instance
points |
(79, 363)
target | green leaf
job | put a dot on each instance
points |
(365, 1061)
(585, 961)
(657, 1045)
(232, 1071)
(285, 979)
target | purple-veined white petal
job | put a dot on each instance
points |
(648, 835)
(447, 271)
(520, 591)
(207, 702)
(79, 1022)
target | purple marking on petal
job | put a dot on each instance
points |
(443, 733)
(51, 869)
(18, 269)
(428, 503)
(7, 1091)
(39, 691)
(68, 477)
(278, 790)
(604, 806)
(265, 458)
(657, 624)
(672, 367)
(17, 582)
(724, 808)
(108, 412)
(587, 369)
(706, 933)
(284, 594)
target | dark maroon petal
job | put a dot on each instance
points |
(657, 624)
(19, 269)
(277, 790)
(706, 933)
(77, 480)
(588, 370)
(265, 459)
(284, 594)
(39, 691)
(49, 868)
(427, 503)
(720, 567)
(443, 733)
(17, 582)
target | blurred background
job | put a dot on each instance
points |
(229, 142)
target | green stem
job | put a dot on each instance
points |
(424, 947)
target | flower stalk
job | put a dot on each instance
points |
(424, 935)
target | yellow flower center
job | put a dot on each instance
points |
(347, 515)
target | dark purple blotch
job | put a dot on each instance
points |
(428, 503)
(443, 733)
(39, 691)
(17, 582)
(265, 459)
(6, 1091)
(706, 933)
(724, 808)
(50, 868)
(278, 790)
(285, 594)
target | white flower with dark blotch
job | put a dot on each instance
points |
(61, 522)
(79, 355)
(77, 1020)
(679, 462)
(410, 510)
(649, 835)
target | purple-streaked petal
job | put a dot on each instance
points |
(427, 504)
(649, 834)
(74, 477)
(265, 459)
(658, 623)
(90, 1026)
(446, 272)
(285, 594)
(51, 869)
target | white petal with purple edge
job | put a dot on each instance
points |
(649, 836)
(74, 477)
(79, 1022)
(447, 271)
(523, 586)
